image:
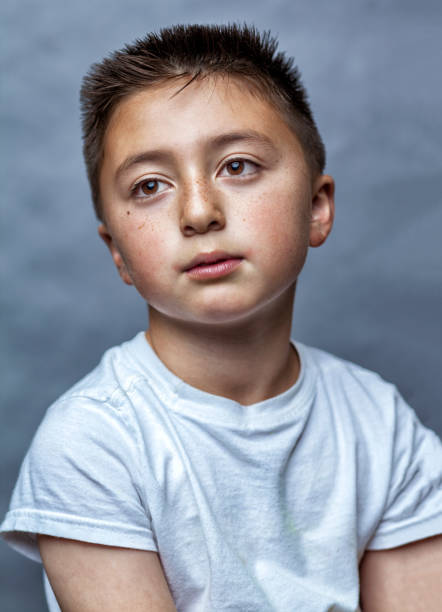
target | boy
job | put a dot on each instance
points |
(212, 463)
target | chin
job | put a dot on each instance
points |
(225, 314)
(221, 316)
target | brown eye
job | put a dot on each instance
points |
(237, 166)
(146, 188)
(242, 168)
(149, 187)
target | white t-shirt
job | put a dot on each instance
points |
(267, 507)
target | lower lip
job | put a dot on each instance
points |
(215, 270)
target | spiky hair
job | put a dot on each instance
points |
(195, 51)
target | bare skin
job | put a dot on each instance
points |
(228, 336)
(89, 577)
(403, 579)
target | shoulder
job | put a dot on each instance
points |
(397, 459)
(89, 434)
(365, 406)
(97, 407)
(111, 379)
(330, 365)
(349, 384)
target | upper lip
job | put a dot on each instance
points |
(208, 258)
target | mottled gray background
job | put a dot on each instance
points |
(372, 294)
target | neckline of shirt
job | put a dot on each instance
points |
(195, 403)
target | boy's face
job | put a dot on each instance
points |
(211, 169)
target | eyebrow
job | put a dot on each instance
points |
(218, 142)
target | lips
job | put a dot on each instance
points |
(210, 258)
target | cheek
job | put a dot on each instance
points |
(144, 249)
(281, 226)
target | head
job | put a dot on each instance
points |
(201, 142)
(194, 52)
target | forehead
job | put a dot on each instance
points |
(187, 120)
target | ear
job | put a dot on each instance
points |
(323, 209)
(116, 255)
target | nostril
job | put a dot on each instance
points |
(214, 225)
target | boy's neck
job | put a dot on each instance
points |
(247, 363)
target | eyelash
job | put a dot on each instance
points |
(138, 185)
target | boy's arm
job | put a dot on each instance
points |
(90, 577)
(403, 579)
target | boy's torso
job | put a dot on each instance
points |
(255, 507)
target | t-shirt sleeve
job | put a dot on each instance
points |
(413, 508)
(80, 479)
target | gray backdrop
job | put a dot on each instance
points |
(372, 294)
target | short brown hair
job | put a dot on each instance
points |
(195, 51)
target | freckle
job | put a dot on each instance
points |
(142, 225)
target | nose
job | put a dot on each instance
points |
(201, 210)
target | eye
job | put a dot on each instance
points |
(240, 167)
(147, 187)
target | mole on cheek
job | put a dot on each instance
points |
(128, 212)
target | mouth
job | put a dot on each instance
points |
(212, 265)
(214, 270)
(208, 259)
